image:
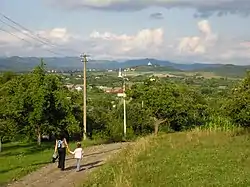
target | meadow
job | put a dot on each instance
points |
(197, 158)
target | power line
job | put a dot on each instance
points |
(26, 35)
(33, 36)
(27, 41)
(1, 29)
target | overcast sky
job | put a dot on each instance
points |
(212, 31)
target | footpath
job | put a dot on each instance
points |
(51, 176)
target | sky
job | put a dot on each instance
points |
(185, 31)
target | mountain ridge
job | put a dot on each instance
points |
(16, 63)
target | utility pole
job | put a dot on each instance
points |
(84, 60)
(124, 109)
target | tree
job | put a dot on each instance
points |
(7, 76)
(11, 106)
(238, 105)
(51, 105)
(37, 103)
(100, 114)
(138, 120)
(175, 105)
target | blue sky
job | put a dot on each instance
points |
(130, 29)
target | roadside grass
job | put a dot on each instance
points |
(19, 159)
(197, 158)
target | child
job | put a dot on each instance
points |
(78, 152)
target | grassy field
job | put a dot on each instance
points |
(19, 159)
(181, 159)
(207, 75)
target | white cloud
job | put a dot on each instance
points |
(55, 34)
(58, 35)
(39, 42)
(240, 50)
(207, 46)
(203, 8)
(198, 44)
(146, 41)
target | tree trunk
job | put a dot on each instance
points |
(39, 136)
(157, 123)
(0, 144)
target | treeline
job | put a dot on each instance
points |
(37, 104)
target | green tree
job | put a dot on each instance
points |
(37, 103)
(7, 76)
(175, 105)
(12, 110)
(238, 105)
(51, 104)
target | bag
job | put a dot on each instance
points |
(59, 144)
(54, 157)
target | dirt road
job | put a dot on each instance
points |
(51, 176)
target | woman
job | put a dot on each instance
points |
(60, 147)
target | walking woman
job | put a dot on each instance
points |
(60, 147)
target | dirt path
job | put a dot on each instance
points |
(51, 176)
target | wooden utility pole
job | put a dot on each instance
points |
(84, 60)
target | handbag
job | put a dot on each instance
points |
(54, 157)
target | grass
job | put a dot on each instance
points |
(19, 159)
(200, 158)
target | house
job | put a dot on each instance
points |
(114, 90)
(78, 88)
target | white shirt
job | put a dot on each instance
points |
(77, 152)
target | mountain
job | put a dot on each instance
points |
(16, 63)
(26, 63)
(227, 70)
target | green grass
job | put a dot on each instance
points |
(180, 159)
(19, 159)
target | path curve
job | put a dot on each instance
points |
(51, 176)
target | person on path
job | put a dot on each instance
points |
(60, 147)
(78, 154)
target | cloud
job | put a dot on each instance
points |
(206, 46)
(210, 47)
(58, 35)
(156, 15)
(39, 42)
(236, 51)
(146, 41)
(203, 8)
(245, 44)
(193, 45)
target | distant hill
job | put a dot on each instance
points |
(16, 63)
(26, 63)
(227, 70)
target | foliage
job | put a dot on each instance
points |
(238, 105)
(35, 104)
(182, 108)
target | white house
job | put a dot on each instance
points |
(78, 88)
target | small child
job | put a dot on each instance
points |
(78, 152)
